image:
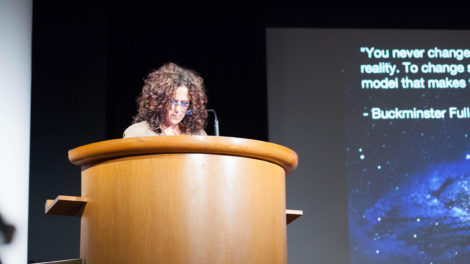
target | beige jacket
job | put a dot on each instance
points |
(142, 129)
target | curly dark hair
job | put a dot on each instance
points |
(158, 91)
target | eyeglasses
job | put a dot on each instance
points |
(183, 104)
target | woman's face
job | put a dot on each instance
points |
(178, 106)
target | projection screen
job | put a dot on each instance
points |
(381, 122)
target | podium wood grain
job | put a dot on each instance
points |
(221, 204)
(184, 208)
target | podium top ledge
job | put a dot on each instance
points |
(117, 148)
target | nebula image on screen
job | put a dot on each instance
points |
(425, 220)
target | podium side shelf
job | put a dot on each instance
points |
(291, 215)
(66, 205)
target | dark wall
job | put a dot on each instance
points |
(89, 61)
(67, 110)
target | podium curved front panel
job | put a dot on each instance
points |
(184, 208)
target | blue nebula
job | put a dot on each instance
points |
(426, 219)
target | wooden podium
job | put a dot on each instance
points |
(181, 199)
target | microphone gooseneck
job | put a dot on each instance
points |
(216, 120)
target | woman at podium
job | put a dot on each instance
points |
(173, 102)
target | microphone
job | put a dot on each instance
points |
(216, 120)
